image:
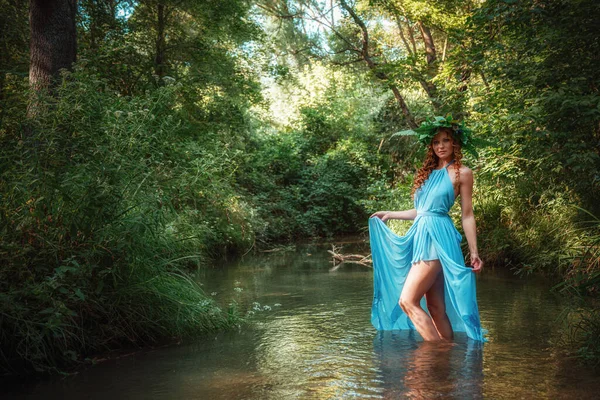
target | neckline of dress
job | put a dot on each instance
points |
(444, 167)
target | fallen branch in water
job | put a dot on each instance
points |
(339, 259)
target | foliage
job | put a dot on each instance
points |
(189, 130)
(542, 114)
(102, 207)
(309, 177)
(545, 109)
(306, 185)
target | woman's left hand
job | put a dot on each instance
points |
(476, 263)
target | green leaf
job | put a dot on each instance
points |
(408, 132)
(79, 294)
(99, 287)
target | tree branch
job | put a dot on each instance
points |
(373, 66)
(348, 62)
(401, 31)
(276, 13)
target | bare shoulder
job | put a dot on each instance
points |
(466, 174)
(466, 171)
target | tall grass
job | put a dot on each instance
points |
(546, 232)
(580, 266)
(105, 203)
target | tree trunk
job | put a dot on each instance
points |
(430, 51)
(432, 67)
(53, 43)
(404, 107)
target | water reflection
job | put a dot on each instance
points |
(411, 368)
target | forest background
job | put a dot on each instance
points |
(181, 131)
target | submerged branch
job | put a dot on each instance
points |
(339, 259)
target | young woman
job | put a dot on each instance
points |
(426, 266)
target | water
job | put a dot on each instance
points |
(313, 339)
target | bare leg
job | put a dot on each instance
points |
(436, 304)
(419, 280)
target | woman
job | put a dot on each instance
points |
(428, 262)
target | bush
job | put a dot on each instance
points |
(106, 201)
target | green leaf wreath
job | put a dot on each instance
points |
(429, 129)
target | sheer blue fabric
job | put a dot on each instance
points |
(431, 236)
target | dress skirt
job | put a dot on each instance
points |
(432, 236)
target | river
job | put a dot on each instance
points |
(311, 338)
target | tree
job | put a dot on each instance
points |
(53, 43)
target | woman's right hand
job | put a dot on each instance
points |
(476, 263)
(382, 215)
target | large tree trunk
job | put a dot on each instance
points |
(53, 44)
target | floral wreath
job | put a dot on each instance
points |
(429, 128)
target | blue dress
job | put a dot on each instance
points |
(431, 236)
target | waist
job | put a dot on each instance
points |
(433, 214)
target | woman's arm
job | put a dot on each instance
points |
(385, 215)
(468, 219)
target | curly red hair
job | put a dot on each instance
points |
(431, 162)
